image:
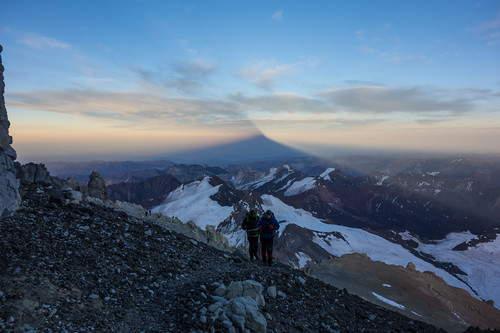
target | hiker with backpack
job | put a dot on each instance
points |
(267, 225)
(250, 225)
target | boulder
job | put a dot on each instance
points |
(97, 186)
(73, 196)
(240, 314)
(247, 314)
(248, 288)
(410, 266)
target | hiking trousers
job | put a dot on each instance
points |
(267, 249)
(253, 248)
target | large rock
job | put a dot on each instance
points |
(97, 186)
(32, 173)
(9, 185)
(240, 303)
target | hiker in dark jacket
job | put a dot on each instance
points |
(250, 225)
(267, 225)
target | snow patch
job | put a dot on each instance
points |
(381, 181)
(267, 178)
(388, 301)
(301, 186)
(416, 314)
(303, 259)
(191, 202)
(326, 173)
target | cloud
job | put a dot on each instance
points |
(278, 15)
(186, 77)
(427, 122)
(262, 74)
(376, 43)
(367, 49)
(349, 107)
(128, 108)
(381, 100)
(41, 42)
(399, 60)
(282, 102)
(361, 83)
(490, 31)
(359, 122)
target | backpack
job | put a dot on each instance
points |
(250, 224)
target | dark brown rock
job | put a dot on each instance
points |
(97, 186)
(31, 173)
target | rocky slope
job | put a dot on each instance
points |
(418, 295)
(148, 193)
(83, 267)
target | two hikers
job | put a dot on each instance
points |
(250, 225)
(265, 227)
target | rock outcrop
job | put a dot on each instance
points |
(9, 185)
(97, 186)
(31, 173)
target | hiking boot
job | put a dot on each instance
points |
(269, 263)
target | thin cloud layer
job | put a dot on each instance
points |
(278, 15)
(380, 100)
(42, 42)
(130, 108)
(288, 103)
(186, 77)
(490, 31)
(263, 74)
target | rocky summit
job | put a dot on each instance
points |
(80, 266)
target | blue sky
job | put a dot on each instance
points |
(117, 78)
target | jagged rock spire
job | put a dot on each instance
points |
(97, 186)
(9, 185)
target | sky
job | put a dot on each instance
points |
(113, 79)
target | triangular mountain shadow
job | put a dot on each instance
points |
(247, 150)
